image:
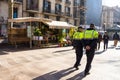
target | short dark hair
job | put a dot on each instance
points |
(80, 27)
(92, 25)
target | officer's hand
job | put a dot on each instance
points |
(87, 47)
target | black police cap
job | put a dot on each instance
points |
(80, 27)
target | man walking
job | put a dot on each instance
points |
(77, 38)
(90, 37)
(105, 40)
(115, 38)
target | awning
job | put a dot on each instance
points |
(29, 19)
(59, 25)
(49, 22)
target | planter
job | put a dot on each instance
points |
(40, 37)
(37, 37)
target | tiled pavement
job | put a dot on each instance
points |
(56, 64)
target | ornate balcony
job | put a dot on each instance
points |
(46, 10)
(82, 7)
(68, 14)
(58, 0)
(18, 0)
(59, 13)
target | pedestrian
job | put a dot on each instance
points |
(99, 40)
(115, 38)
(105, 40)
(90, 37)
(77, 43)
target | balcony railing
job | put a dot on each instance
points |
(76, 4)
(76, 16)
(59, 0)
(68, 14)
(59, 13)
(47, 10)
(18, 0)
(82, 7)
(32, 8)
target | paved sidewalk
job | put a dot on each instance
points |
(56, 64)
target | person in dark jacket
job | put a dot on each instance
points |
(115, 38)
(90, 38)
(78, 36)
(105, 40)
(99, 40)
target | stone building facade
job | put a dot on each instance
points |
(107, 17)
(5, 13)
(58, 10)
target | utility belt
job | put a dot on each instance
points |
(89, 38)
(77, 39)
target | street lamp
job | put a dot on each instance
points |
(10, 16)
(12, 6)
(104, 26)
(10, 10)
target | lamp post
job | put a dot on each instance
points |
(104, 27)
(10, 10)
(12, 6)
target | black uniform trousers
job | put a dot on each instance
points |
(105, 45)
(79, 54)
(90, 55)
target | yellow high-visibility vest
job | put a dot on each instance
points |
(90, 34)
(78, 35)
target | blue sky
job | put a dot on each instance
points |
(111, 2)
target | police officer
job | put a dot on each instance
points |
(77, 38)
(90, 37)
